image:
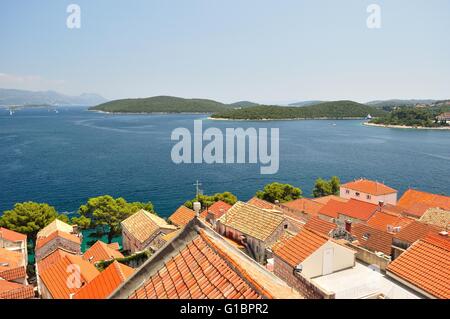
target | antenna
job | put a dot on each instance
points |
(197, 190)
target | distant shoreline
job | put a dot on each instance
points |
(407, 127)
(290, 119)
(147, 113)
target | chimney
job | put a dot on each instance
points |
(348, 225)
(380, 205)
(444, 233)
(197, 206)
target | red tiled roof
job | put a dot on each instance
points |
(198, 271)
(217, 209)
(369, 187)
(353, 208)
(50, 259)
(11, 265)
(13, 273)
(100, 252)
(381, 220)
(415, 231)
(57, 276)
(304, 205)
(300, 247)
(325, 199)
(12, 290)
(12, 235)
(372, 239)
(319, 225)
(416, 203)
(261, 203)
(426, 265)
(106, 282)
(182, 216)
(42, 241)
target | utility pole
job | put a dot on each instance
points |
(197, 190)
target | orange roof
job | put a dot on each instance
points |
(369, 187)
(13, 273)
(381, 220)
(416, 203)
(56, 277)
(106, 282)
(42, 241)
(51, 259)
(261, 203)
(12, 290)
(319, 225)
(415, 231)
(182, 216)
(352, 208)
(198, 271)
(100, 252)
(114, 246)
(325, 199)
(12, 235)
(304, 205)
(372, 239)
(10, 259)
(300, 247)
(426, 265)
(217, 209)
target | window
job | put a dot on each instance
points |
(347, 191)
(357, 194)
(285, 226)
(369, 197)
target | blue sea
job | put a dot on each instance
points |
(67, 157)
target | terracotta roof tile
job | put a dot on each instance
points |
(56, 225)
(426, 265)
(300, 247)
(100, 252)
(352, 208)
(13, 273)
(12, 290)
(372, 239)
(196, 272)
(57, 276)
(369, 187)
(11, 235)
(142, 225)
(106, 282)
(217, 209)
(251, 220)
(304, 205)
(319, 225)
(10, 259)
(385, 221)
(416, 203)
(50, 259)
(42, 241)
(415, 231)
(437, 217)
(182, 216)
(261, 203)
(325, 199)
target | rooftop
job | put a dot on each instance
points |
(363, 281)
(352, 208)
(297, 249)
(182, 216)
(217, 209)
(369, 187)
(11, 235)
(373, 239)
(252, 221)
(304, 205)
(56, 225)
(261, 203)
(319, 225)
(199, 263)
(100, 252)
(416, 202)
(106, 282)
(12, 290)
(143, 224)
(437, 217)
(415, 231)
(381, 220)
(426, 265)
(325, 199)
(42, 241)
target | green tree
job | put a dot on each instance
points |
(107, 213)
(29, 218)
(279, 192)
(208, 200)
(323, 187)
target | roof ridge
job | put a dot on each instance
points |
(235, 265)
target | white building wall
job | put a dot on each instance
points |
(368, 198)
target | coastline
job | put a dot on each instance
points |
(145, 113)
(290, 119)
(407, 127)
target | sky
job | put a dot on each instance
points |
(231, 50)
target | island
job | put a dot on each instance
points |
(325, 110)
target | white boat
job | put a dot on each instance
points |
(368, 117)
(11, 112)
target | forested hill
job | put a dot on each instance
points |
(331, 110)
(161, 104)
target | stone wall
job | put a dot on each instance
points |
(369, 257)
(56, 243)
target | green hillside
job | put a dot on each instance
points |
(332, 110)
(163, 104)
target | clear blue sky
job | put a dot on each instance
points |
(229, 50)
